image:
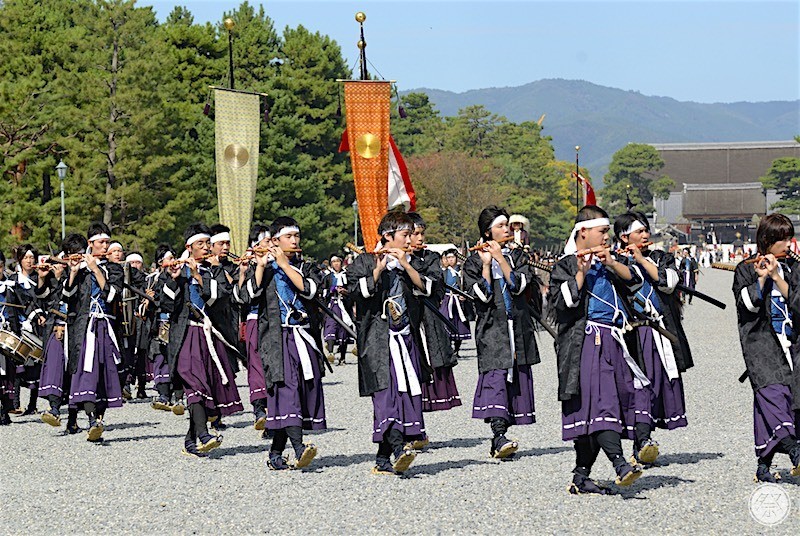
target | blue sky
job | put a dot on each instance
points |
(713, 51)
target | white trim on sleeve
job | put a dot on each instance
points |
(479, 293)
(747, 301)
(214, 290)
(523, 282)
(567, 294)
(362, 283)
(169, 292)
(428, 287)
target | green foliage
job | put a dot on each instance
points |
(634, 170)
(119, 96)
(784, 176)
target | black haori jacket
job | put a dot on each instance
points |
(570, 307)
(491, 330)
(224, 308)
(79, 299)
(48, 297)
(174, 300)
(437, 340)
(270, 333)
(763, 355)
(374, 358)
(152, 322)
(668, 278)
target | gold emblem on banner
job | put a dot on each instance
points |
(368, 145)
(236, 155)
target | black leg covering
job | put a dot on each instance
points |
(642, 432)
(499, 426)
(279, 440)
(766, 460)
(90, 408)
(611, 444)
(295, 434)
(786, 444)
(197, 416)
(456, 345)
(586, 451)
(395, 438)
(384, 451)
(329, 346)
(55, 402)
(163, 389)
(72, 417)
(17, 393)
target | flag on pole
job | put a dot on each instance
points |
(588, 191)
(399, 188)
(237, 131)
(367, 104)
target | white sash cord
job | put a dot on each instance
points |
(639, 378)
(401, 361)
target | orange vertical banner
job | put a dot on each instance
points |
(367, 105)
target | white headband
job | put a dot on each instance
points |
(635, 226)
(571, 247)
(134, 257)
(184, 255)
(261, 236)
(113, 245)
(335, 258)
(167, 256)
(498, 220)
(221, 237)
(99, 236)
(29, 252)
(287, 230)
(194, 238)
(401, 227)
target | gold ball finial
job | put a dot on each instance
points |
(229, 24)
(360, 44)
(361, 17)
(577, 148)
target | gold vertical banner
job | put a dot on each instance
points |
(237, 131)
(367, 111)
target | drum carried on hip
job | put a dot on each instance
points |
(20, 348)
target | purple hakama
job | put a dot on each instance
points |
(392, 408)
(332, 331)
(255, 367)
(772, 417)
(201, 379)
(441, 394)
(102, 384)
(668, 408)
(449, 308)
(496, 397)
(160, 369)
(607, 398)
(296, 401)
(51, 381)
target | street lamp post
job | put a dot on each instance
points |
(61, 169)
(355, 222)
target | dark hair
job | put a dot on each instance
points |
(590, 212)
(337, 255)
(74, 243)
(624, 221)
(2, 258)
(256, 230)
(417, 219)
(773, 228)
(161, 251)
(281, 222)
(391, 221)
(97, 227)
(451, 251)
(19, 253)
(219, 228)
(195, 228)
(487, 216)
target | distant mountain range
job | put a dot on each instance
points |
(603, 119)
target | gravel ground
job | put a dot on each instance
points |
(138, 482)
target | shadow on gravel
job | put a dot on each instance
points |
(322, 432)
(687, 458)
(342, 460)
(241, 449)
(458, 443)
(544, 451)
(436, 468)
(331, 383)
(126, 425)
(112, 440)
(651, 482)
